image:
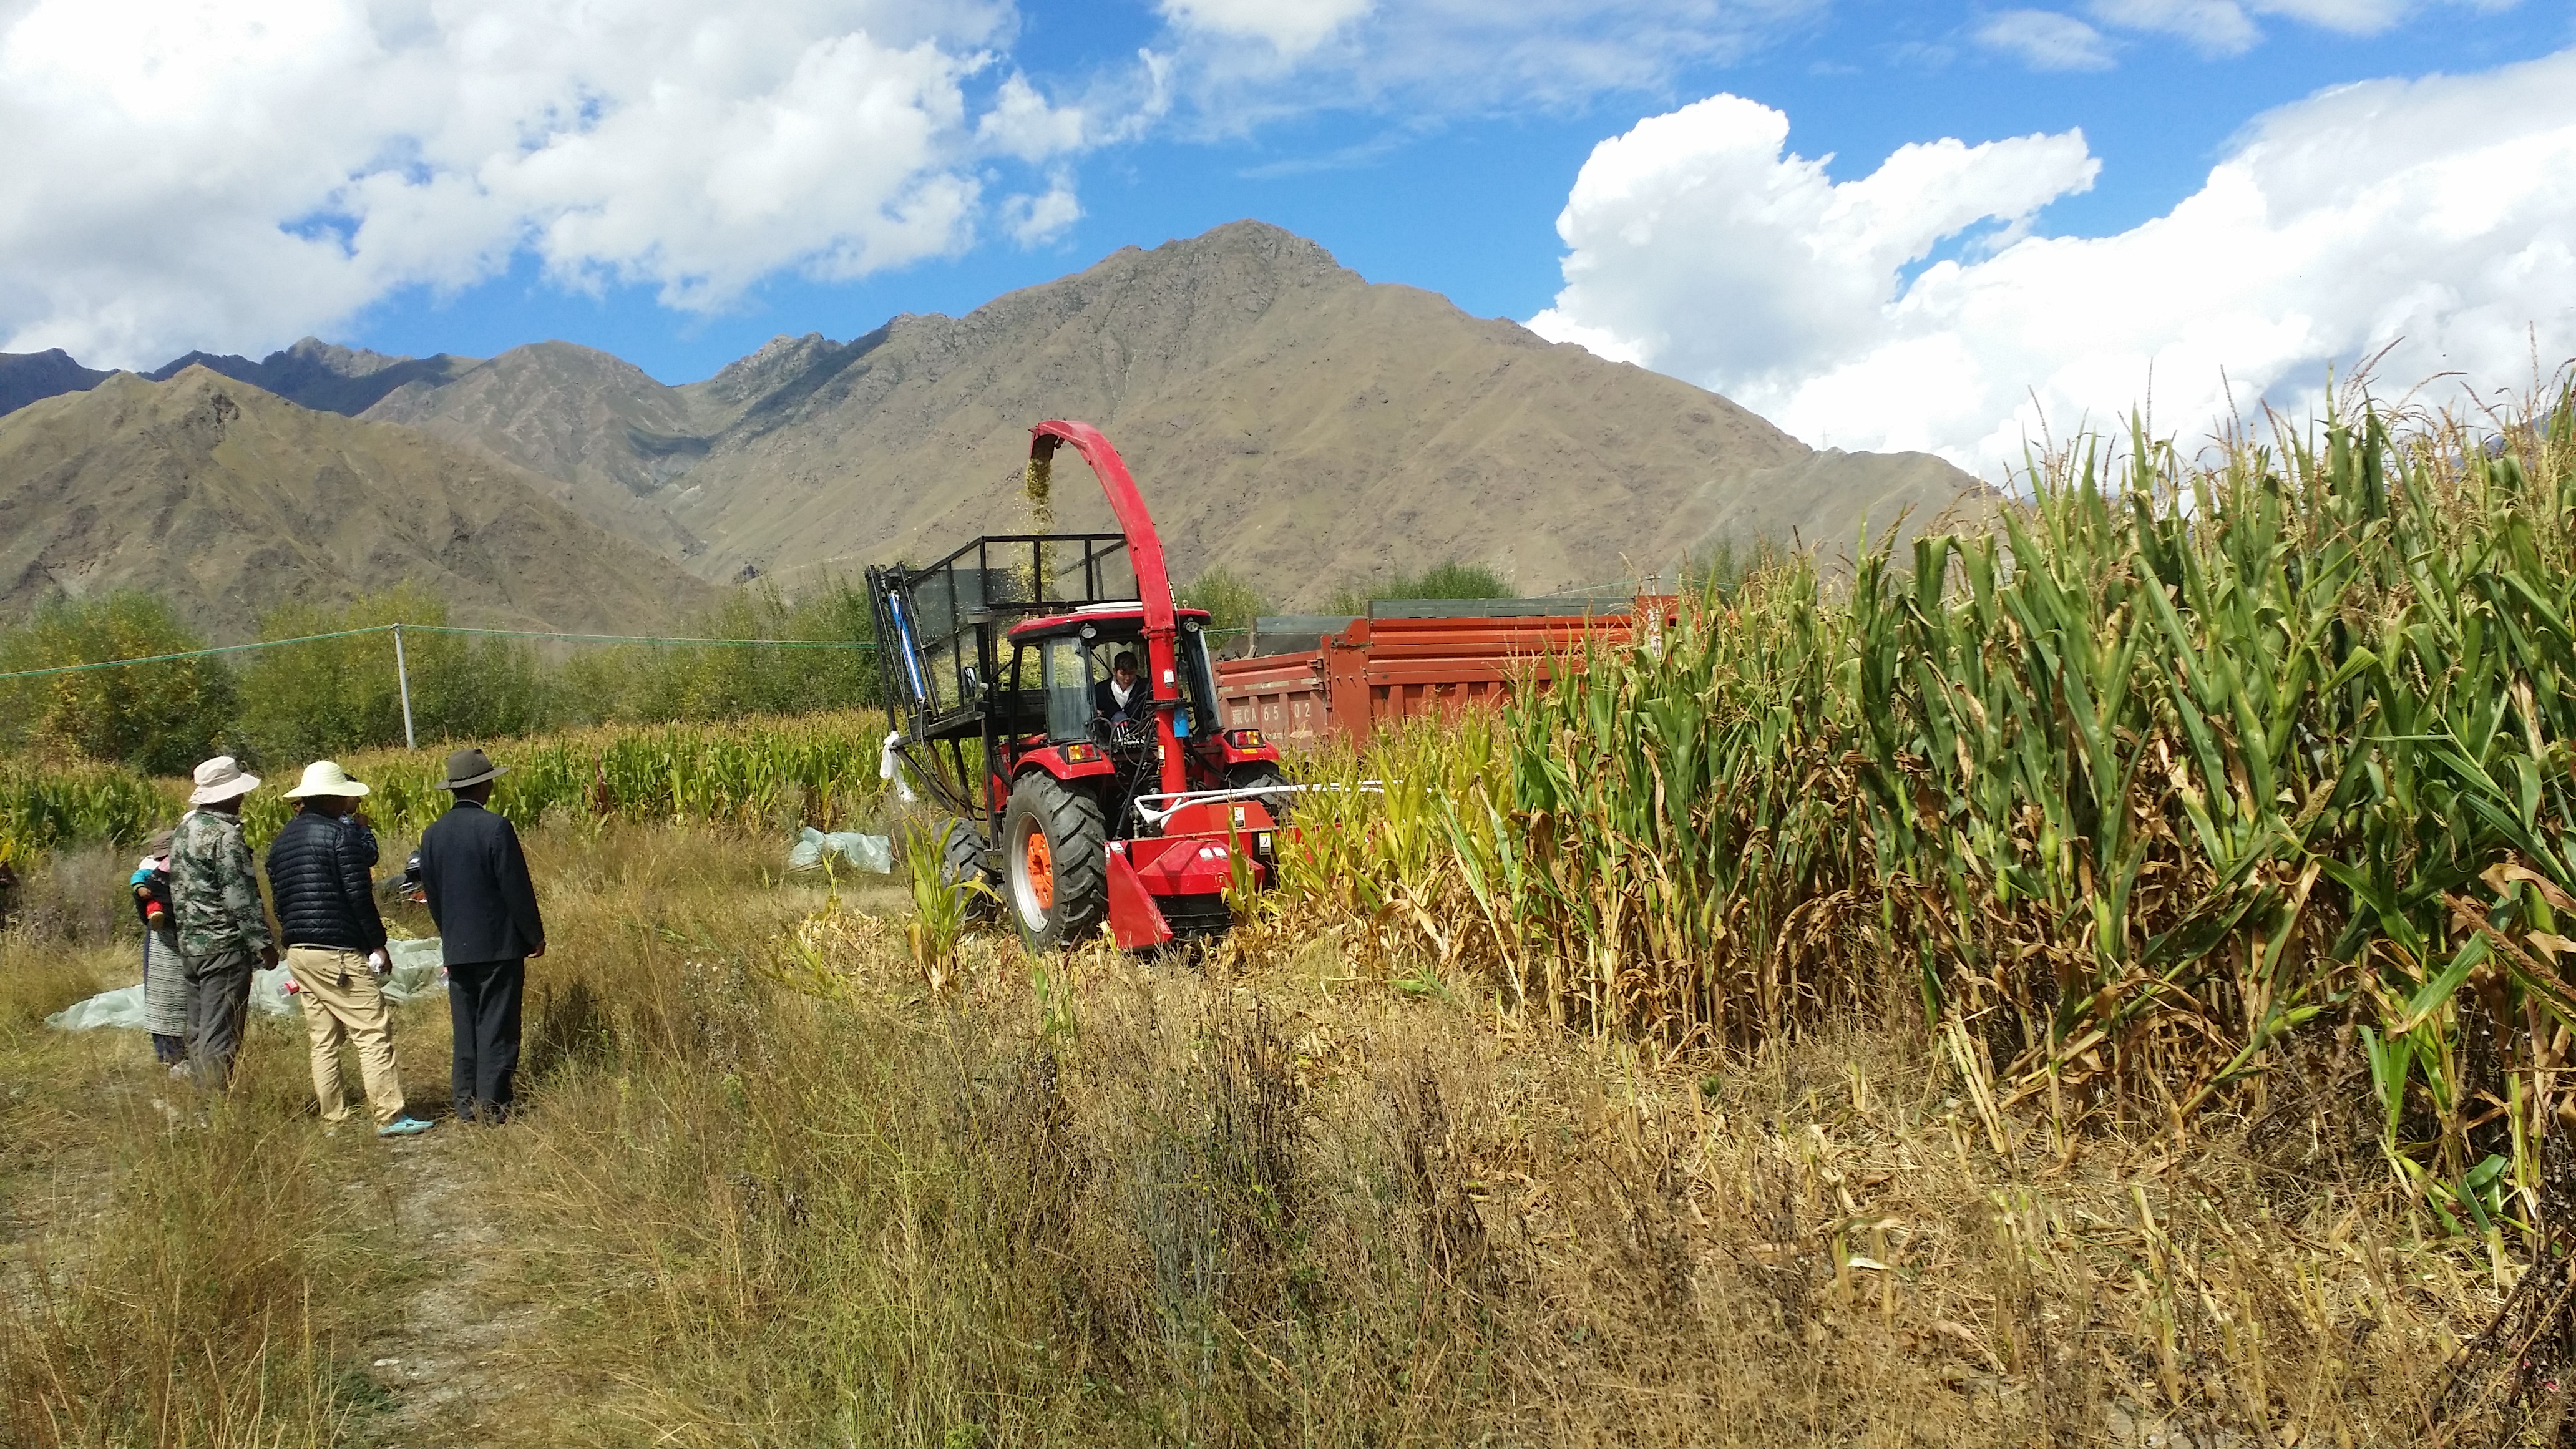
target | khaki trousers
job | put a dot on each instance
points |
(343, 1000)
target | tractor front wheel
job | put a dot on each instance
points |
(961, 866)
(1263, 775)
(1055, 863)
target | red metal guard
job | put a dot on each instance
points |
(1153, 583)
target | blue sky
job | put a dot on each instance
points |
(1465, 203)
(492, 172)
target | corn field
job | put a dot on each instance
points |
(2181, 772)
(741, 772)
(745, 772)
(42, 806)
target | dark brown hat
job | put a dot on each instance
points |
(470, 767)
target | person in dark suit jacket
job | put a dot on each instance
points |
(476, 883)
(1122, 697)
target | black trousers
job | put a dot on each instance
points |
(483, 1007)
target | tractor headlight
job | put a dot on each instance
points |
(1244, 739)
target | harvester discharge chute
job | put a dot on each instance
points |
(1081, 801)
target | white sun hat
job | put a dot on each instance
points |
(221, 778)
(325, 777)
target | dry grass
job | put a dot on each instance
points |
(174, 1269)
(74, 897)
(786, 1192)
(772, 1187)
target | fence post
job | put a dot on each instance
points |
(402, 681)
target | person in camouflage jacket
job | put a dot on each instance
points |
(222, 924)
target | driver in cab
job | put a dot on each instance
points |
(1122, 698)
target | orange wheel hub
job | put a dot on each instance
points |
(1041, 868)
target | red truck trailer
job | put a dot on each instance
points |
(1359, 671)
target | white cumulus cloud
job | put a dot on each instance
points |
(1036, 220)
(195, 173)
(2438, 215)
(1707, 251)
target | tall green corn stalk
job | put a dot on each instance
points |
(744, 772)
(740, 772)
(2121, 796)
(43, 806)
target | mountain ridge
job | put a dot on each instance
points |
(227, 500)
(1286, 418)
(594, 422)
(27, 377)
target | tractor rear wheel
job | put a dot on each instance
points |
(1055, 863)
(1263, 775)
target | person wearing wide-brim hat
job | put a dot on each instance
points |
(320, 873)
(475, 880)
(222, 926)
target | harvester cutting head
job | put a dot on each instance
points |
(1094, 794)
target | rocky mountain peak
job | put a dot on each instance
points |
(1255, 241)
(778, 359)
(314, 354)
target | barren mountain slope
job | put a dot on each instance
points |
(1283, 416)
(784, 369)
(590, 420)
(226, 500)
(1822, 500)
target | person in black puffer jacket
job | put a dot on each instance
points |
(320, 877)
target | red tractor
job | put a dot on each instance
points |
(1043, 687)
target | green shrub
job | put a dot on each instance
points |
(1724, 567)
(304, 701)
(648, 683)
(158, 718)
(1450, 580)
(1230, 599)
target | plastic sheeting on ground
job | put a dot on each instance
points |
(417, 970)
(867, 852)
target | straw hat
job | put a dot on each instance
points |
(325, 777)
(470, 767)
(221, 778)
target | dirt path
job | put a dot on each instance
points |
(448, 1366)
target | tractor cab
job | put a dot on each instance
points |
(1044, 688)
(1073, 697)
